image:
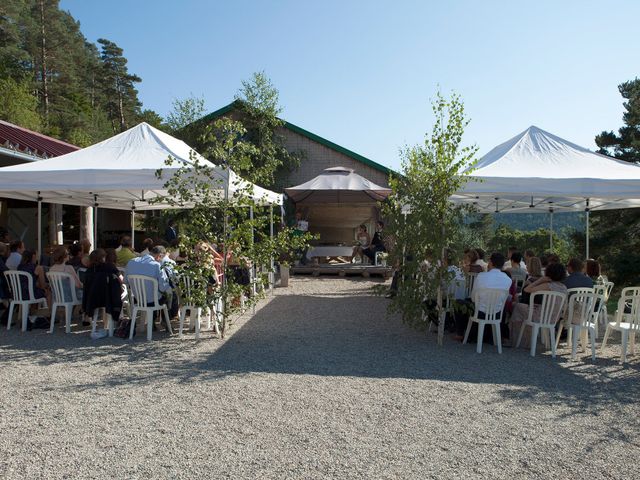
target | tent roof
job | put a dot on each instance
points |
(338, 185)
(119, 172)
(536, 171)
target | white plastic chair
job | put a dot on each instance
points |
(584, 306)
(57, 281)
(19, 297)
(550, 310)
(567, 320)
(195, 312)
(628, 324)
(520, 278)
(140, 301)
(604, 290)
(469, 282)
(492, 301)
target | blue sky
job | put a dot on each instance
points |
(361, 73)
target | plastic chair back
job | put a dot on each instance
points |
(629, 300)
(57, 281)
(470, 280)
(15, 285)
(139, 284)
(582, 306)
(490, 301)
(551, 306)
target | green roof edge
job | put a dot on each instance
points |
(309, 135)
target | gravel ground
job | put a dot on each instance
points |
(320, 383)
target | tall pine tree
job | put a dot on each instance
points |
(616, 233)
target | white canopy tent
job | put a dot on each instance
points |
(537, 171)
(117, 173)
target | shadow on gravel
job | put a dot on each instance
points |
(343, 336)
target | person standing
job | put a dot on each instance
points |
(170, 234)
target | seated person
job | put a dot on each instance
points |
(551, 282)
(377, 243)
(594, 272)
(60, 256)
(4, 286)
(534, 269)
(103, 284)
(494, 277)
(40, 287)
(16, 249)
(363, 239)
(75, 256)
(149, 265)
(125, 253)
(455, 285)
(470, 262)
(147, 243)
(576, 278)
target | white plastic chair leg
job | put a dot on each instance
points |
(574, 343)
(25, 316)
(68, 312)
(165, 312)
(625, 340)
(480, 335)
(54, 309)
(552, 334)
(198, 312)
(181, 314)
(149, 319)
(466, 333)
(520, 335)
(593, 334)
(606, 337)
(498, 335)
(10, 317)
(534, 339)
(133, 323)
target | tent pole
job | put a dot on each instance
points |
(133, 227)
(587, 228)
(95, 220)
(551, 229)
(272, 276)
(39, 233)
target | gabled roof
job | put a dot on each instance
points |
(305, 133)
(28, 142)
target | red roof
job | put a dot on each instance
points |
(27, 141)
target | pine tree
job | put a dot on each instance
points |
(616, 233)
(118, 86)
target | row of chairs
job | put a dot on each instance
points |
(139, 304)
(581, 317)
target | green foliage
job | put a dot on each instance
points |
(431, 174)
(83, 94)
(538, 240)
(615, 234)
(215, 214)
(258, 112)
(18, 105)
(184, 114)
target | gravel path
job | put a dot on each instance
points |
(320, 383)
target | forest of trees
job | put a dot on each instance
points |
(54, 81)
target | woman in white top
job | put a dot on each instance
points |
(363, 239)
(60, 257)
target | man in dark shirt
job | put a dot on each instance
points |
(170, 233)
(377, 243)
(576, 278)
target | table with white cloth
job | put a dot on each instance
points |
(330, 251)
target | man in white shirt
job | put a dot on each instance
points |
(15, 257)
(494, 277)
